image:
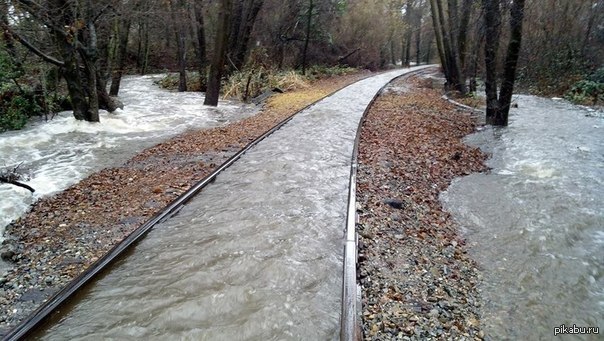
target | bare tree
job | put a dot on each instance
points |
(446, 29)
(122, 50)
(309, 16)
(200, 44)
(220, 50)
(498, 107)
(244, 17)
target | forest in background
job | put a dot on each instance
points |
(71, 54)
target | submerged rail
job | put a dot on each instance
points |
(349, 289)
(62, 296)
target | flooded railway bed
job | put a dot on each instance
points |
(258, 254)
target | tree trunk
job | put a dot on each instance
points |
(178, 23)
(498, 107)
(236, 19)
(418, 43)
(392, 51)
(408, 33)
(438, 35)
(122, 52)
(492, 26)
(201, 43)
(143, 39)
(182, 59)
(89, 56)
(462, 38)
(449, 57)
(428, 53)
(307, 39)
(511, 61)
(220, 47)
(418, 33)
(146, 49)
(249, 13)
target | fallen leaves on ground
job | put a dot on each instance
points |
(64, 234)
(417, 280)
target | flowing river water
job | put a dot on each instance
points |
(536, 220)
(61, 152)
(257, 255)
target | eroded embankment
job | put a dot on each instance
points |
(417, 278)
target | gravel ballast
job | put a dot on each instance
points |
(418, 281)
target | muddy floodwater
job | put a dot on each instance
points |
(536, 221)
(256, 256)
(63, 151)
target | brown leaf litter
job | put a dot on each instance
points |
(417, 279)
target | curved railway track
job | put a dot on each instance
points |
(351, 293)
(348, 324)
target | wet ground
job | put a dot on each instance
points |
(257, 255)
(63, 234)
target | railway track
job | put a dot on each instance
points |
(351, 292)
(348, 320)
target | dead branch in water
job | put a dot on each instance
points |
(12, 177)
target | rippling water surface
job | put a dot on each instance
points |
(536, 221)
(257, 255)
(61, 152)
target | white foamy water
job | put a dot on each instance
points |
(257, 255)
(62, 151)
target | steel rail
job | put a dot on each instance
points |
(61, 297)
(350, 329)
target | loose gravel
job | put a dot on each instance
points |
(418, 282)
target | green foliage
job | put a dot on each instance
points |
(8, 70)
(586, 92)
(597, 76)
(552, 73)
(16, 109)
(26, 90)
(589, 91)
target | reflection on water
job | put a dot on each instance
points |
(257, 255)
(536, 221)
(63, 151)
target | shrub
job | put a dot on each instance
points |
(257, 78)
(16, 110)
(253, 82)
(589, 90)
(597, 76)
(319, 71)
(170, 82)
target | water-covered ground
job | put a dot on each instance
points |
(536, 221)
(59, 153)
(257, 255)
